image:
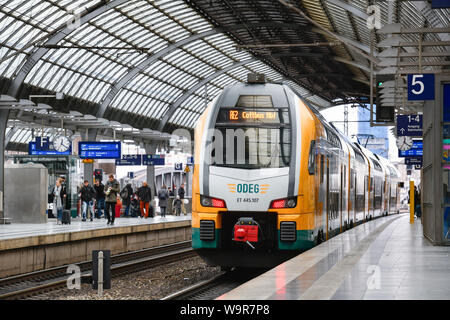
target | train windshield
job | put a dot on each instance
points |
(252, 134)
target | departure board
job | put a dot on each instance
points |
(99, 150)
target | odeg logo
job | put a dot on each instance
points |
(248, 188)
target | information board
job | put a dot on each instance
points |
(409, 125)
(153, 160)
(130, 160)
(415, 151)
(99, 150)
(414, 161)
(33, 150)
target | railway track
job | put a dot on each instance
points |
(215, 287)
(30, 284)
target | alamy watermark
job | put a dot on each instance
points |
(374, 280)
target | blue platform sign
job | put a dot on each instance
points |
(130, 160)
(409, 125)
(190, 161)
(42, 144)
(420, 87)
(446, 106)
(178, 166)
(34, 151)
(440, 4)
(99, 150)
(153, 160)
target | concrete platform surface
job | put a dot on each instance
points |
(387, 258)
(22, 230)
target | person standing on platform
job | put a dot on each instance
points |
(163, 197)
(144, 194)
(87, 194)
(417, 208)
(100, 198)
(112, 188)
(177, 206)
(58, 202)
(181, 193)
(66, 204)
(126, 194)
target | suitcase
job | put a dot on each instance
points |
(117, 213)
(65, 217)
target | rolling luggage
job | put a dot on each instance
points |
(65, 217)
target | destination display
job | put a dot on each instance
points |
(415, 151)
(242, 115)
(99, 150)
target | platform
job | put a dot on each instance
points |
(387, 258)
(32, 247)
(21, 230)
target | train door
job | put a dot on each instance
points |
(327, 191)
(355, 203)
(388, 195)
(341, 197)
(372, 190)
(366, 198)
(321, 199)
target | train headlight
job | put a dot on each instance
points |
(284, 203)
(291, 203)
(212, 202)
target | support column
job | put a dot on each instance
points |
(88, 168)
(3, 123)
(151, 149)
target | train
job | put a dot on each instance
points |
(272, 178)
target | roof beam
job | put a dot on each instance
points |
(145, 64)
(350, 8)
(173, 107)
(115, 89)
(57, 37)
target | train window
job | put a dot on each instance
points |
(371, 184)
(251, 135)
(345, 176)
(352, 178)
(312, 157)
(322, 169)
(249, 101)
(376, 165)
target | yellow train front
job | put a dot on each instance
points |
(271, 178)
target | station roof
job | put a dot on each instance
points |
(147, 63)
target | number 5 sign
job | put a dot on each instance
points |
(420, 86)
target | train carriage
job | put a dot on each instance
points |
(272, 178)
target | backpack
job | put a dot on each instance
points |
(162, 195)
(124, 193)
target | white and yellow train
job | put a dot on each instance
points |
(272, 178)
